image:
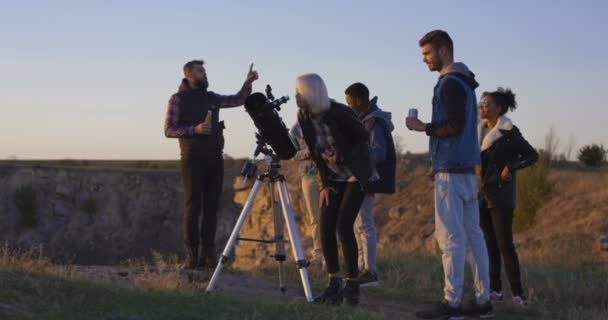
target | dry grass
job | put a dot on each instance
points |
(160, 274)
(31, 261)
(567, 228)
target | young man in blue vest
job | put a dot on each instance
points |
(193, 117)
(454, 153)
(379, 126)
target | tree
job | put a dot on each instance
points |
(592, 155)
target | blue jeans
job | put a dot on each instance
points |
(365, 230)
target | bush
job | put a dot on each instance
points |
(532, 190)
(592, 155)
(25, 200)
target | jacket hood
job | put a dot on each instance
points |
(375, 112)
(461, 71)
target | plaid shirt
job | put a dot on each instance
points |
(326, 141)
(172, 127)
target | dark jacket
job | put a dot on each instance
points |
(378, 123)
(189, 107)
(194, 106)
(351, 138)
(511, 150)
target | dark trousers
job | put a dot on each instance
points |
(203, 176)
(497, 226)
(339, 216)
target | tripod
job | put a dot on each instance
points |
(274, 179)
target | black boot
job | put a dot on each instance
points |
(191, 257)
(333, 293)
(351, 292)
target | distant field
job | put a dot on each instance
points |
(136, 164)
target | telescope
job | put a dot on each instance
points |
(263, 110)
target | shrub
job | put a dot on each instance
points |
(592, 155)
(532, 190)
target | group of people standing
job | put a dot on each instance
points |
(347, 155)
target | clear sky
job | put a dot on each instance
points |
(91, 79)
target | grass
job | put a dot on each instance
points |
(408, 279)
(35, 296)
(33, 288)
(556, 292)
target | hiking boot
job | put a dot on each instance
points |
(350, 292)
(368, 278)
(496, 296)
(521, 300)
(332, 293)
(482, 311)
(441, 310)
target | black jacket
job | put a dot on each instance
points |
(351, 140)
(194, 106)
(510, 150)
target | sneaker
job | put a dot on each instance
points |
(368, 278)
(332, 294)
(442, 310)
(521, 300)
(482, 311)
(496, 296)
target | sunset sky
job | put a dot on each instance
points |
(91, 79)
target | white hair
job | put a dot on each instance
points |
(312, 89)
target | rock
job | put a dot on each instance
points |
(62, 210)
(396, 213)
(428, 230)
(62, 184)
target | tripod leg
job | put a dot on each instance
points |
(235, 233)
(294, 236)
(279, 236)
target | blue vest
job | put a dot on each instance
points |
(456, 154)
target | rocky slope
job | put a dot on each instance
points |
(106, 216)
